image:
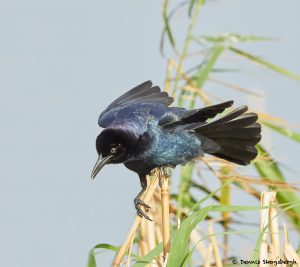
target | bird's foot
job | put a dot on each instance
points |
(138, 203)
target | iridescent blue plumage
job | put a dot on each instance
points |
(167, 148)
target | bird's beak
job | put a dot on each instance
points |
(100, 164)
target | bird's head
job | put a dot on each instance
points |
(114, 145)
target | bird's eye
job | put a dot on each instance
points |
(113, 150)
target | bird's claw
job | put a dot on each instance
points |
(138, 203)
(142, 214)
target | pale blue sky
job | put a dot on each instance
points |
(61, 63)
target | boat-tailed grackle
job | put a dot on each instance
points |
(143, 132)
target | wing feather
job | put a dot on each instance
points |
(195, 117)
(139, 94)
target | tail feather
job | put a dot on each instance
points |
(232, 137)
(232, 159)
(242, 133)
(243, 121)
(230, 116)
(237, 142)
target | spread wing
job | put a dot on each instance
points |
(143, 93)
(192, 117)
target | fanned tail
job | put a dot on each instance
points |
(232, 137)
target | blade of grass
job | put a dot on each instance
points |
(148, 258)
(283, 131)
(191, 5)
(179, 250)
(265, 63)
(225, 70)
(233, 38)
(234, 208)
(92, 258)
(167, 19)
(167, 24)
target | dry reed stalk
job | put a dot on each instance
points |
(158, 234)
(197, 92)
(277, 120)
(139, 250)
(166, 261)
(274, 229)
(195, 237)
(129, 251)
(157, 215)
(147, 196)
(184, 75)
(250, 190)
(208, 256)
(143, 241)
(158, 212)
(214, 244)
(286, 235)
(288, 250)
(150, 232)
(264, 222)
(271, 252)
(291, 255)
(233, 86)
(151, 242)
(174, 65)
(165, 202)
(249, 180)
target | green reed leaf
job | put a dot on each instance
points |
(179, 249)
(265, 63)
(283, 131)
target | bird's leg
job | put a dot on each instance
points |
(138, 202)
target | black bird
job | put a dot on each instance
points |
(143, 132)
